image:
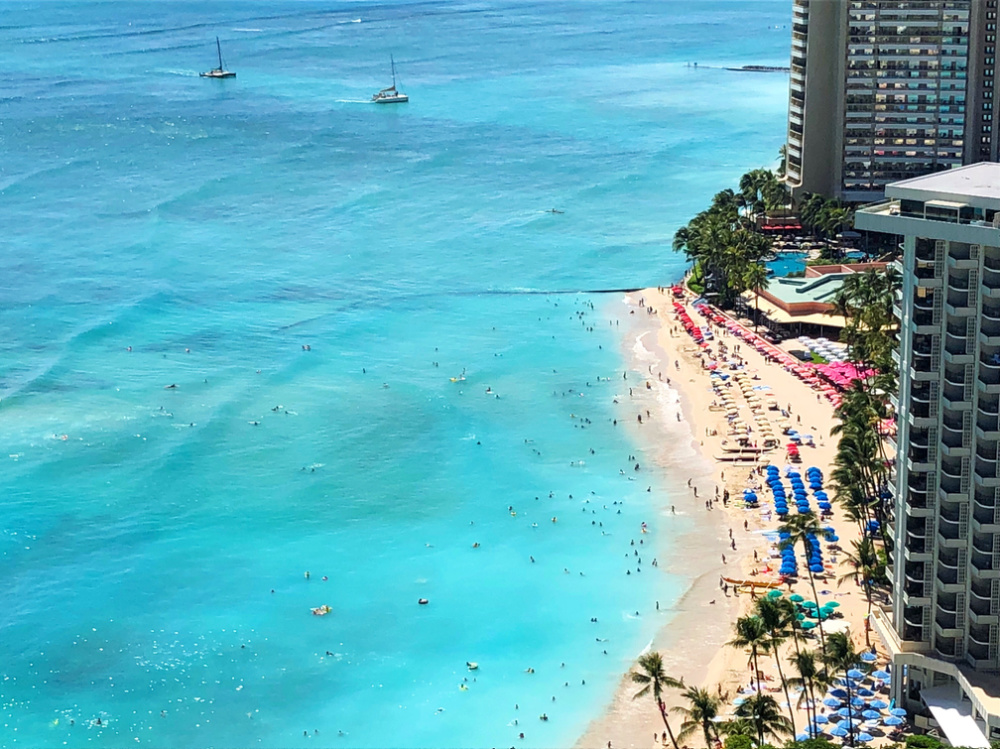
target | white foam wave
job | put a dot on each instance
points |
(641, 352)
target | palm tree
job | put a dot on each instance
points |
(704, 708)
(776, 621)
(805, 664)
(655, 680)
(804, 528)
(763, 712)
(749, 632)
(738, 727)
(756, 279)
(866, 563)
(840, 655)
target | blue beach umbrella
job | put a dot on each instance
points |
(821, 718)
(832, 702)
(869, 657)
(878, 704)
(846, 712)
(833, 538)
(838, 731)
(893, 720)
(857, 702)
(841, 693)
(880, 674)
(871, 714)
(898, 712)
(864, 737)
(864, 692)
(802, 737)
(855, 674)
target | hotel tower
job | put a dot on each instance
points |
(942, 626)
(886, 90)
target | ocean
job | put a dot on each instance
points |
(260, 327)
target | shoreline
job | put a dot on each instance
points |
(692, 640)
(695, 632)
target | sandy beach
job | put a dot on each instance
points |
(692, 640)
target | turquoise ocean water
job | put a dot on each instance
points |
(154, 541)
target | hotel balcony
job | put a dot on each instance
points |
(985, 515)
(945, 646)
(989, 378)
(962, 263)
(950, 578)
(913, 623)
(957, 343)
(987, 424)
(978, 655)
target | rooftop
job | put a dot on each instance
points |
(976, 184)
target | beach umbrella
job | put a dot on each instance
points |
(898, 712)
(815, 568)
(808, 625)
(832, 605)
(803, 737)
(869, 657)
(841, 693)
(796, 598)
(871, 714)
(865, 737)
(832, 702)
(864, 692)
(808, 604)
(881, 675)
(774, 593)
(893, 720)
(858, 702)
(838, 731)
(878, 704)
(855, 674)
(821, 718)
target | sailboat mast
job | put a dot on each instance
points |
(392, 62)
(219, 48)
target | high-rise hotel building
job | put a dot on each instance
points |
(943, 625)
(886, 90)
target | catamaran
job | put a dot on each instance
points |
(219, 72)
(390, 95)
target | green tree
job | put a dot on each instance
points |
(756, 279)
(868, 569)
(763, 712)
(840, 656)
(806, 666)
(654, 679)
(801, 530)
(777, 622)
(749, 632)
(738, 739)
(699, 714)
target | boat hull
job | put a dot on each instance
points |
(398, 99)
(218, 74)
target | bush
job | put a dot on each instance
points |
(738, 742)
(923, 742)
(811, 744)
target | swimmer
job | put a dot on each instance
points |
(170, 387)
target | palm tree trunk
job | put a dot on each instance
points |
(756, 666)
(819, 622)
(666, 723)
(784, 686)
(850, 708)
